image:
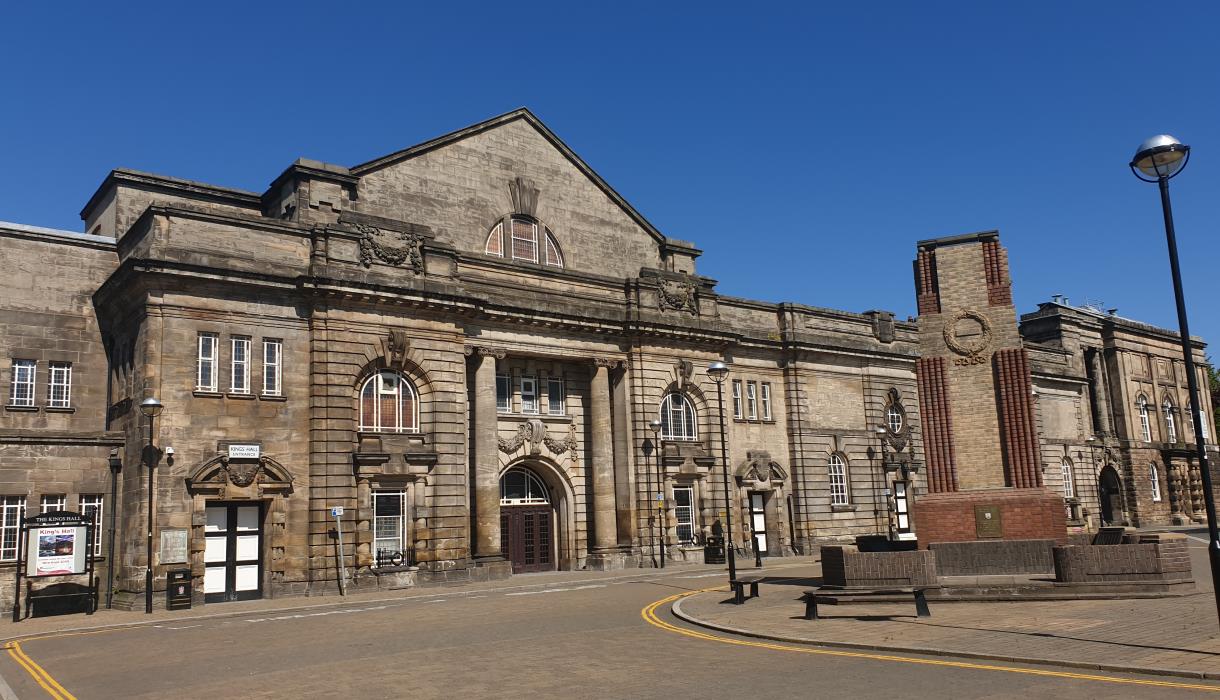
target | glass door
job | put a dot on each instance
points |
(758, 521)
(232, 552)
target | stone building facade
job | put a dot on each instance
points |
(475, 347)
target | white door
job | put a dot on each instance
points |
(232, 552)
(902, 508)
(758, 521)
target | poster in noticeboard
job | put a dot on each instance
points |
(56, 551)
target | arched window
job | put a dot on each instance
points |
(677, 418)
(839, 495)
(521, 487)
(895, 419)
(1156, 481)
(1171, 428)
(1145, 425)
(1069, 480)
(528, 240)
(388, 404)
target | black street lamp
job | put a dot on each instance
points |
(1158, 159)
(152, 408)
(116, 466)
(653, 505)
(718, 371)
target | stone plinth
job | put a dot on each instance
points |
(993, 557)
(844, 565)
(1024, 514)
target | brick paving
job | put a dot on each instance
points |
(1168, 635)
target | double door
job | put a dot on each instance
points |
(233, 552)
(758, 521)
(525, 537)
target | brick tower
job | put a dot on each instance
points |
(975, 396)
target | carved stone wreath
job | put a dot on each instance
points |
(975, 347)
(242, 473)
(371, 246)
(533, 431)
(678, 295)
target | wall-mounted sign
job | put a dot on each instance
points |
(173, 546)
(244, 451)
(56, 551)
(987, 522)
(336, 511)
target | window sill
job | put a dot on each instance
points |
(846, 508)
(240, 396)
(758, 421)
(60, 409)
(548, 417)
(272, 397)
(21, 409)
(207, 394)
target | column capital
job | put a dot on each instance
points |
(485, 351)
(608, 362)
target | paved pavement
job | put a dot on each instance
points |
(570, 635)
(1176, 636)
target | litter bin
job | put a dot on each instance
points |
(178, 590)
(713, 550)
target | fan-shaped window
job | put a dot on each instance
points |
(677, 418)
(1171, 427)
(389, 404)
(527, 240)
(521, 487)
(1145, 426)
(838, 480)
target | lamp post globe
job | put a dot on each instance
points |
(1161, 156)
(1157, 160)
(151, 407)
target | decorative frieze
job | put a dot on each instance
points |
(380, 245)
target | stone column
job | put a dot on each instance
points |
(486, 458)
(605, 532)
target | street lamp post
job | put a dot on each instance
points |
(152, 408)
(718, 371)
(1158, 159)
(116, 466)
(884, 490)
(655, 426)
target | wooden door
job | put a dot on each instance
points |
(526, 537)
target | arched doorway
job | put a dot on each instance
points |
(527, 521)
(1109, 492)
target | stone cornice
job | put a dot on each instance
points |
(186, 188)
(53, 437)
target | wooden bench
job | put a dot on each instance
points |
(739, 587)
(830, 596)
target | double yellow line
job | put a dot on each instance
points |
(650, 616)
(40, 675)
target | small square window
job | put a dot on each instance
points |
(529, 395)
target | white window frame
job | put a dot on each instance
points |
(552, 245)
(513, 238)
(1069, 478)
(555, 400)
(23, 382)
(836, 469)
(687, 427)
(684, 515)
(273, 363)
(752, 400)
(529, 394)
(536, 492)
(737, 411)
(766, 400)
(12, 511)
(51, 502)
(1145, 423)
(93, 505)
(892, 412)
(239, 364)
(206, 359)
(402, 388)
(1171, 425)
(496, 234)
(383, 530)
(504, 393)
(1155, 477)
(59, 385)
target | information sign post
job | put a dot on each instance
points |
(58, 543)
(337, 511)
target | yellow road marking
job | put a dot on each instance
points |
(38, 673)
(650, 616)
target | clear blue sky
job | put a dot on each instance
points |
(805, 149)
